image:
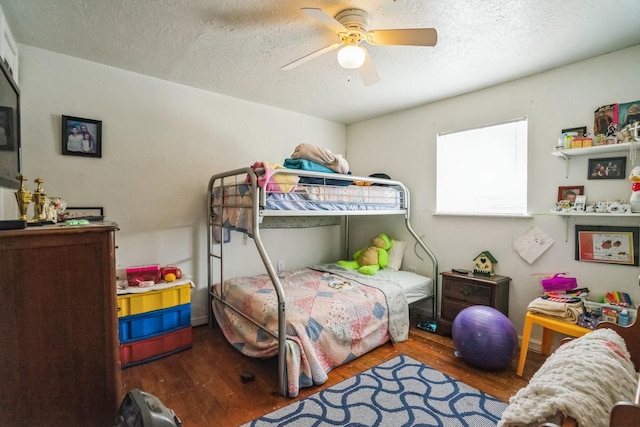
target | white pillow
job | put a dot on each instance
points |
(396, 253)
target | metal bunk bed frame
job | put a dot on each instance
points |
(259, 213)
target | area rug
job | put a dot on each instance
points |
(399, 392)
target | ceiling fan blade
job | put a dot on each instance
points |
(322, 16)
(408, 37)
(367, 70)
(310, 56)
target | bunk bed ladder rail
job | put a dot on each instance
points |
(271, 271)
(425, 248)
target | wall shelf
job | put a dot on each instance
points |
(568, 215)
(595, 214)
(598, 149)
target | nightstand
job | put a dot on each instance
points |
(460, 291)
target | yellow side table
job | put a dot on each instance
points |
(549, 326)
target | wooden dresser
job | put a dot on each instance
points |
(58, 326)
(460, 291)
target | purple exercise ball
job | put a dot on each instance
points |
(484, 337)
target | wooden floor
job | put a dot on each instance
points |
(203, 386)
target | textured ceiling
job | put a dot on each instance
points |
(237, 47)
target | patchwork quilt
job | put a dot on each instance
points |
(333, 315)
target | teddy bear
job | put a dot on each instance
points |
(370, 259)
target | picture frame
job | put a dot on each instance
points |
(607, 244)
(90, 213)
(7, 140)
(607, 168)
(81, 137)
(581, 203)
(581, 131)
(567, 192)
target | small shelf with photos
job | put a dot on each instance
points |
(594, 150)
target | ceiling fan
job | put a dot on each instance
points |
(352, 28)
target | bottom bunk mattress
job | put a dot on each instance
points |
(333, 316)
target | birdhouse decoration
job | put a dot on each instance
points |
(483, 264)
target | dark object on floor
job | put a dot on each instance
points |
(427, 325)
(246, 377)
(145, 410)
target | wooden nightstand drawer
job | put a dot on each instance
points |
(451, 308)
(473, 293)
(460, 291)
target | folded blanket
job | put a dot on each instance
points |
(323, 156)
(582, 379)
(278, 183)
(569, 312)
(306, 165)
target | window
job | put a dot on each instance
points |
(483, 170)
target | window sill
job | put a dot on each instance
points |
(485, 215)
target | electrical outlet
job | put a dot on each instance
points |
(412, 268)
(280, 266)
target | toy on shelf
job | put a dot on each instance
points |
(621, 299)
(634, 200)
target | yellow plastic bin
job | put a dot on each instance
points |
(130, 304)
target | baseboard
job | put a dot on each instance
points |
(200, 320)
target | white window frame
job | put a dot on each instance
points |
(483, 170)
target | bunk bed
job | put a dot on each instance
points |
(267, 308)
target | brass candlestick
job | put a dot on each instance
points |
(23, 197)
(39, 199)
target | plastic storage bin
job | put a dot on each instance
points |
(143, 351)
(143, 273)
(130, 304)
(147, 325)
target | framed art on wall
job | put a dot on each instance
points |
(608, 168)
(81, 137)
(607, 244)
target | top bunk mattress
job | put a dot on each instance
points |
(310, 197)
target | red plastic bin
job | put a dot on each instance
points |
(137, 352)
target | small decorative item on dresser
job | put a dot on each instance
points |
(23, 197)
(39, 200)
(483, 264)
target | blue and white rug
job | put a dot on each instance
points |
(399, 392)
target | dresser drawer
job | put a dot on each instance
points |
(451, 308)
(472, 293)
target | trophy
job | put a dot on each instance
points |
(23, 197)
(39, 199)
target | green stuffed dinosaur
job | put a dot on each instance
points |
(370, 259)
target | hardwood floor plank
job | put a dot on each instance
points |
(203, 385)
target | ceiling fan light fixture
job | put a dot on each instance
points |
(351, 56)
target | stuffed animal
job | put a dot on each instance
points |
(634, 200)
(370, 259)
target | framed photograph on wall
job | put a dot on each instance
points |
(608, 168)
(570, 192)
(81, 137)
(607, 244)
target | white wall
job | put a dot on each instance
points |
(161, 143)
(404, 146)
